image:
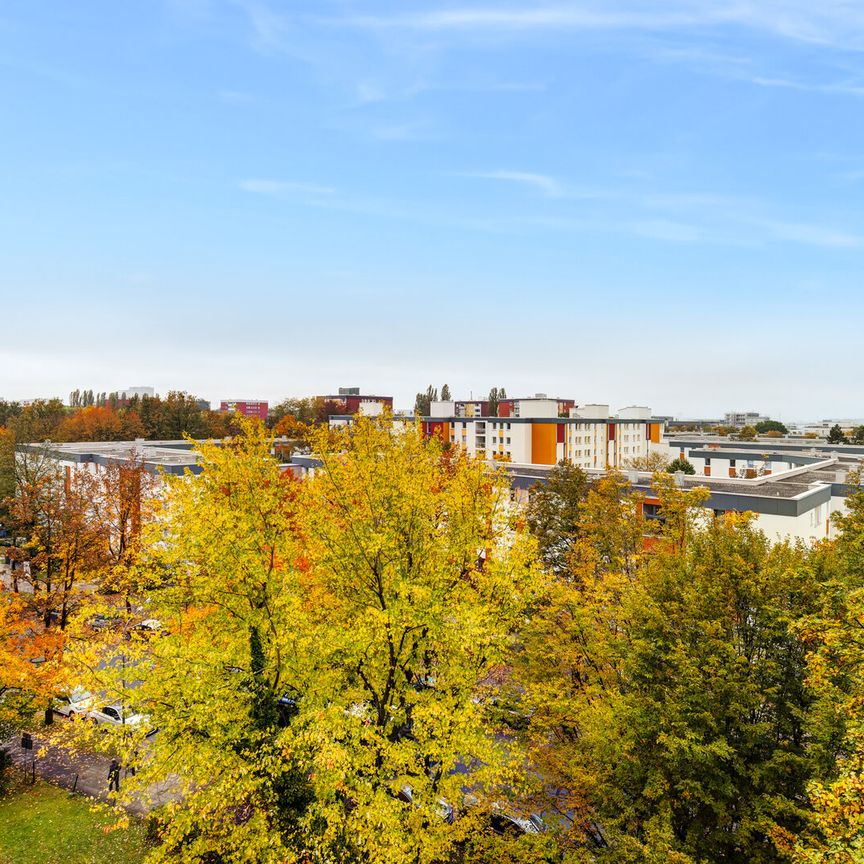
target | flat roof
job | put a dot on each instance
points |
(170, 456)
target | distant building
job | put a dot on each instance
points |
(247, 407)
(127, 393)
(350, 401)
(744, 418)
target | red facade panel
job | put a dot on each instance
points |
(248, 408)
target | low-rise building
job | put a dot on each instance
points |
(247, 407)
(744, 418)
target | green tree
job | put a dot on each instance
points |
(554, 509)
(423, 401)
(858, 435)
(836, 678)
(764, 426)
(445, 393)
(373, 601)
(680, 464)
(836, 436)
(496, 396)
(8, 412)
(666, 698)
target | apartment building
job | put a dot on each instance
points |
(350, 401)
(535, 433)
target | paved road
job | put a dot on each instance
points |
(86, 773)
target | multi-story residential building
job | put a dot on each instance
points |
(247, 407)
(535, 434)
(351, 401)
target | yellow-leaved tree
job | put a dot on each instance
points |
(318, 693)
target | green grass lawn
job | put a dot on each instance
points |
(42, 824)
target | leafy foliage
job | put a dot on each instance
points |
(680, 464)
(835, 435)
(764, 426)
(667, 692)
(373, 603)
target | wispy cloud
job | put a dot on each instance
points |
(832, 22)
(840, 88)
(572, 16)
(281, 188)
(372, 92)
(814, 235)
(549, 186)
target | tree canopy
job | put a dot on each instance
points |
(764, 426)
(328, 641)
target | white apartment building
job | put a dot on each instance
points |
(590, 437)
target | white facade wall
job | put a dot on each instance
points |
(442, 409)
(593, 411)
(540, 408)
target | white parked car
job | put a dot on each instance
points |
(115, 715)
(73, 704)
(149, 627)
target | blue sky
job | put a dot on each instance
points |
(627, 202)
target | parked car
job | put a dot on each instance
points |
(74, 704)
(149, 627)
(511, 824)
(105, 622)
(115, 715)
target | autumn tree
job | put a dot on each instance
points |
(652, 461)
(7, 472)
(59, 544)
(836, 678)
(39, 420)
(301, 410)
(318, 692)
(666, 694)
(123, 500)
(100, 424)
(30, 665)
